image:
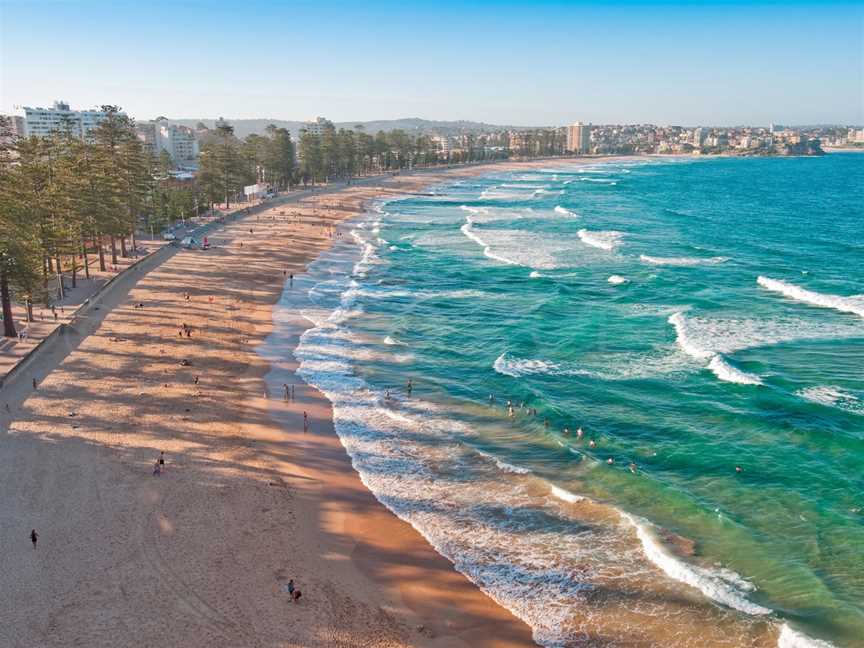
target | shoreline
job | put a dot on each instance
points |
(201, 553)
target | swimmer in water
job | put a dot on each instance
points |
(591, 444)
(566, 431)
(491, 398)
(546, 423)
(632, 467)
(610, 461)
(579, 433)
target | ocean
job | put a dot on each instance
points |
(681, 344)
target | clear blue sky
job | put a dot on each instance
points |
(537, 63)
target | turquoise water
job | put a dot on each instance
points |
(690, 317)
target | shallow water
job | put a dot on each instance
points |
(689, 317)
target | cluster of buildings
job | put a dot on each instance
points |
(181, 143)
(636, 139)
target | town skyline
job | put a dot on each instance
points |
(393, 122)
(660, 63)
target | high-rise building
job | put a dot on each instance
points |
(699, 135)
(579, 138)
(42, 122)
(180, 143)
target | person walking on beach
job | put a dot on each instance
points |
(161, 460)
(287, 391)
(35, 384)
(305, 422)
(410, 386)
(34, 537)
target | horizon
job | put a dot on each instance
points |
(496, 63)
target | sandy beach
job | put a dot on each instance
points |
(201, 554)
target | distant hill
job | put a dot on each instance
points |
(244, 127)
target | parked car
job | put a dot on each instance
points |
(169, 236)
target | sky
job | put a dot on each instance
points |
(514, 63)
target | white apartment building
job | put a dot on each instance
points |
(42, 122)
(180, 143)
(315, 127)
(579, 138)
(443, 143)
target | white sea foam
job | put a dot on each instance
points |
(565, 495)
(696, 348)
(688, 344)
(518, 247)
(683, 261)
(711, 583)
(600, 181)
(853, 304)
(832, 396)
(503, 465)
(790, 638)
(603, 240)
(702, 337)
(535, 275)
(565, 212)
(616, 280)
(602, 366)
(724, 371)
(515, 367)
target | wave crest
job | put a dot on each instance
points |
(853, 304)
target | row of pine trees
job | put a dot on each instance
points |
(67, 203)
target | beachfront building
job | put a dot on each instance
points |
(42, 122)
(579, 138)
(444, 145)
(315, 127)
(179, 142)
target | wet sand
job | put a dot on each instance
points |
(200, 554)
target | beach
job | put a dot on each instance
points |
(360, 345)
(201, 554)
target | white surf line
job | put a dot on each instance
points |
(854, 305)
(716, 362)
